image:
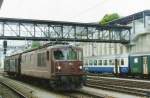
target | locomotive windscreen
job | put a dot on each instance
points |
(67, 54)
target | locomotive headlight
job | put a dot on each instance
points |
(59, 67)
(80, 67)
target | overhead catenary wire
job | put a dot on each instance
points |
(89, 9)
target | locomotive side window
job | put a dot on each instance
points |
(47, 55)
(41, 59)
(25, 58)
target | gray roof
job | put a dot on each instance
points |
(130, 18)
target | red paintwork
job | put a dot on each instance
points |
(69, 67)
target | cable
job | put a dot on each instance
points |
(88, 9)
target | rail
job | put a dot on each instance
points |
(135, 87)
(14, 90)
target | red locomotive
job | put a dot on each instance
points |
(60, 65)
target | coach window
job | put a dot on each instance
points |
(95, 62)
(100, 62)
(105, 62)
(86, 62)
(110, 62)
(135, 60)
(113, 62)
(90, 62)
(118, 62)
(122, 61)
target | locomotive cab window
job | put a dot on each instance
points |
(72, 54)
(58, 54)
(67, 54)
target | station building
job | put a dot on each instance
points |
(140, 31)
(139, 43)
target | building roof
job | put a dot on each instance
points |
(128, 19)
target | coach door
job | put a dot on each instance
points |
(145, 65)
(117, 66)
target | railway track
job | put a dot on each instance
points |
(81, 94)
(20, 89)
(8, 89)
(31, 93)
(88, 94)
(135, 87)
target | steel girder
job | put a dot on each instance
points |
(44, 30)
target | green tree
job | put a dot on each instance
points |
(109, 17)
(35, 44)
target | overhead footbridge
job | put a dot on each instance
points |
(45, 30)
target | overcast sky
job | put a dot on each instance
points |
(70, 10)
